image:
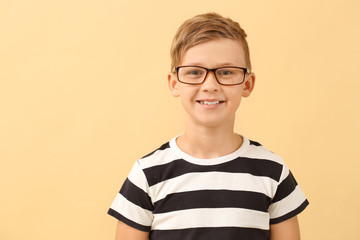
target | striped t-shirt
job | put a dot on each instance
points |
(175, 196)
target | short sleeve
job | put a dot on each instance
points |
(288, 200)
(132, 205)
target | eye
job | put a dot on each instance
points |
(225, 72)
(194, 72)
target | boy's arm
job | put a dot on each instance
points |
(125, 232)
(287, 230)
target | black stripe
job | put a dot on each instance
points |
(213, 199)
(290, 214)
(211, 234)
(285, 188)
(255, 143)
(127, 221)
(256, 167)
(163, 147)
(136, 195)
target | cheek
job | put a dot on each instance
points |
(236, 104)
(235, 99)
(187, 93)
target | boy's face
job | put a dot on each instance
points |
(211, 104)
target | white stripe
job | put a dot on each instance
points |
(132, 211)
(217, 217)
(213, 181)
(259, 152)
(159, 157)
(288, 204)
(137, 177)
(284, 174)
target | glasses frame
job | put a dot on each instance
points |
(211, 70)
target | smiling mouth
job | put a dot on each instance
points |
(210, 102)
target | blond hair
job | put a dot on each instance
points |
(203, 28)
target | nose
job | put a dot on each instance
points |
(210, 83)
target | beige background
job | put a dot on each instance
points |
(83, 94)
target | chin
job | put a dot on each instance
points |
(211, 123)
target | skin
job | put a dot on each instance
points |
(125, 232)
(287, 230)
(208, 127)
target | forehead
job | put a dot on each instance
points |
(215, 53)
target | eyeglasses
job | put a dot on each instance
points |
(195, 75)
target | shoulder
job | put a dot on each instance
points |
(270, 162)
(257, 150)
(161, 148)
(159, 156)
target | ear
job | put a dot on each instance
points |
(249, 84)
(173, 85)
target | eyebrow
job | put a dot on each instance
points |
(225, 64)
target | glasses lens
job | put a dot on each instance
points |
(192, 75)
(230, 75)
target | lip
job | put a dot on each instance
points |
(209, 100)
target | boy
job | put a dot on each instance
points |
(209, 182)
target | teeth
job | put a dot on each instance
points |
(209, 103)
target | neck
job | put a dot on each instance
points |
(209, 142)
